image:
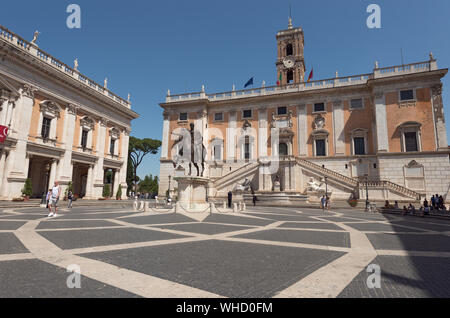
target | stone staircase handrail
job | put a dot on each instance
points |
(230, 175)
(327, 172)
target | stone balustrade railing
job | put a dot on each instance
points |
(393, 187)
(327, 172)
(309, 86)
(32, 49)
(235, 173)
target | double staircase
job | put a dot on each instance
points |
(351, 185)
(235, 176)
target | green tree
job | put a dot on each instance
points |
(149, 184)
(138, 150)
(28, 188)
(106, 191)
(119, 193)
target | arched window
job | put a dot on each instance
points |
(289, 50)
(284, 150)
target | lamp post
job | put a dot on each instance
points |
(367, 192)
(170, 179)
(326, 194)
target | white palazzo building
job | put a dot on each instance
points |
(62, 125)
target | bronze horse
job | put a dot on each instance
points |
(197, 151)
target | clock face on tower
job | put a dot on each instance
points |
(288, 63)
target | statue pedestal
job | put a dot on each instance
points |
(277, 187)
(192, 193)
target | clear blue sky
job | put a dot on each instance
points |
(148, 47)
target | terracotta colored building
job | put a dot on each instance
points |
(384, 131)
(62, 125)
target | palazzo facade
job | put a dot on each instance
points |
(382, 132)
(62, 125)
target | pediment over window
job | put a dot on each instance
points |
(414, 164)
(320, 132)
(50, 108)
(87, 123)
(410, 124)
(114, 133)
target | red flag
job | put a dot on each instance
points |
(311, 75)
(3, 133)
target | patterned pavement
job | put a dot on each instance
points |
(263, 253)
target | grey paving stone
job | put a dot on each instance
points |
(426, 225)
(340, 219)
(49, 225)
(103, 237)
(87, 216)
(307, 237)
(380, 227)
(404, 277)
(27, 217)
(321, 225)
(10, 244)
(231, 219)
(276, 217)
(226, 268)
(158, 219)
(37, 279)
(10, 225)
(204, 228)
(410, 242)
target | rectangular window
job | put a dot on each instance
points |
(319, 107)
(359, 145)
(183, 117)
(84, 138)
(218, 116)
(356, 103)
(247, 113)
(247, 151)
(112, 146)
(217, 152)
(46, 124)
(411, 141)
(282, 111)
(406, 95)
(320, 148)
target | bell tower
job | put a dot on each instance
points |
(290, 63)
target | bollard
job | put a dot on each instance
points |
(244, 207)
(224, 205)
(146, 206)
(135, 205)
(211, 208)
(235, 207)
(141, 207)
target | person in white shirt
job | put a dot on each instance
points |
(54, 198)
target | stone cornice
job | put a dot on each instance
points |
(63, 74)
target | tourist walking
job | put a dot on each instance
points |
(433, 202)
(54, 199)
(47, 199)
(328, 203)
(254, 200)
(230, 199)
(70, 199)
(323, 203)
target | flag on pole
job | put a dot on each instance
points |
(311, 75)
(3, 133)
(280, 79)
(250, 82)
